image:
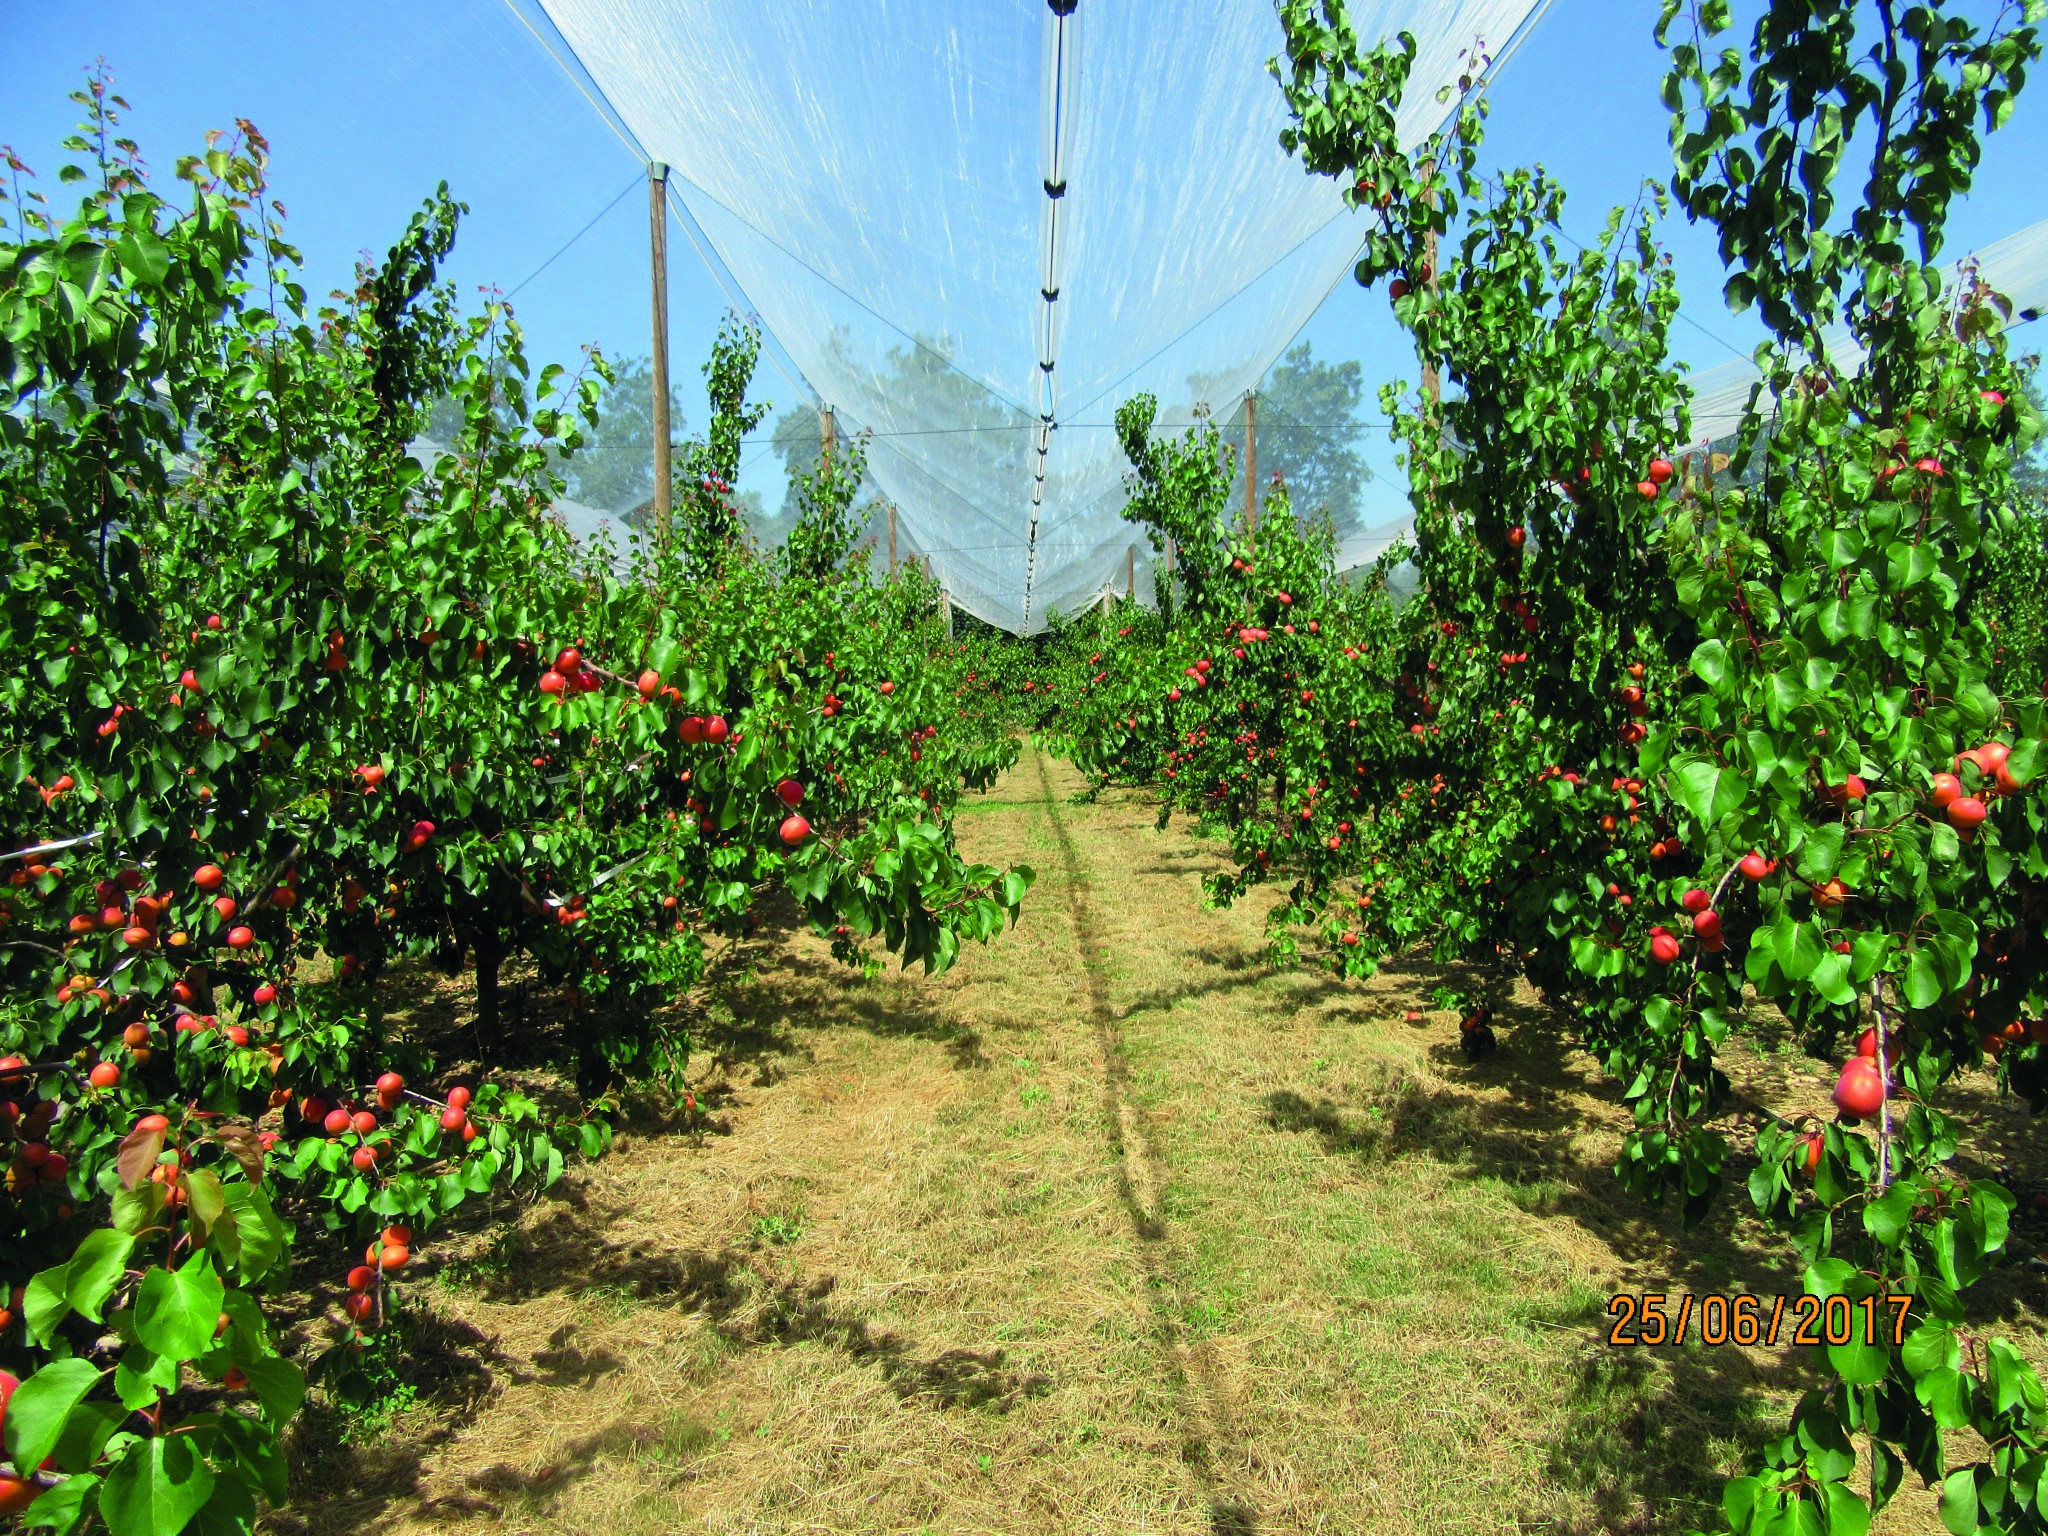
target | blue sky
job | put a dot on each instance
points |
(367, 105)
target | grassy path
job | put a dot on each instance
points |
(1111, 1229)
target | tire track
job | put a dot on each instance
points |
(1214, 1447)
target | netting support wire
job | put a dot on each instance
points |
(1054, 118)
(657, 237)
(513, 292)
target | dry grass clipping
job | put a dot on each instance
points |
(1111, 1229)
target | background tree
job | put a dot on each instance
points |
(795, 441)
(615, 473)
(2030, 475)
(1309, 434)
(615, 470)
(975, 436)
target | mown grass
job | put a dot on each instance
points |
(1112, 1229)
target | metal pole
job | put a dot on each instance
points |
(1251, 464)
(892, 538)
(657, 213)
(1130, 570)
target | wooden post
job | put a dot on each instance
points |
(828, 432)
(1130, 570)
(946, 611)
(657, 213)
(892, 538)
(1251, 465)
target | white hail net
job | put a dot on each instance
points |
(877, 177)
(2015, 267)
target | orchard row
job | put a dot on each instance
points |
(1698, 738)
(295, 704)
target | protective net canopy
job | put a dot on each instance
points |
(977, 229)
(2016, 268)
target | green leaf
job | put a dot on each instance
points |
(2025, 761)
(156, 1488)
(203, 1190)
(86, 1433)
(1922, 983)
(2013, 1380)
(96, 1268)
(1959, 1501)
(1738, 1499)
(1938, 1298)
(1955, 948)
(1830, 979)
(1829, 1277)
(1941, 1392)
(1799, 947)
(142, 1375)
(176, 1310)
(261, 1231)
(1847, 1514)
(136, 1210)
(1829, 1455)
(1710, 665)
(279, 1385)
(146, 258)
(1842, 547)
(1930, 1347)
(231, 1511)
(1943, 845)
(1820, 854)
(1887, 1471)
(1705, 789)
(62, 1507)
(1885, 1219)
(39, 1407)
(1784, 697)
(46, 1302)
(1859, 1362)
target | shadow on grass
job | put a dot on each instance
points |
(890, 1014)
(343, 1481)
(348, 1461)
(1213, 1443)
(1648, 1431)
